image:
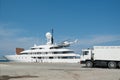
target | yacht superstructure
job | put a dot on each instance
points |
(51, 53)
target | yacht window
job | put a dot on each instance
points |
(59, 57)
(77, 57)
(65, 52)
(39, 57)
(40, 48)
(43, 57)
(51, 47)
(55, 47)
(55, 57)
(38, 52)
(50, 57)
(55, 52)
(33, 57)
(64, 57)
(68, 57)
(68, 52)
(33, 53)
(71, 57)
(44, 53)
(33, 48)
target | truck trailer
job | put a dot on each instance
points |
(101, 55)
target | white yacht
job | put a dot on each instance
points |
(49, 53)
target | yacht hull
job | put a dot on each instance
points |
(30, 58)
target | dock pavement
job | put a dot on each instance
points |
(55, 71)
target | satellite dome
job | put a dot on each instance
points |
(48, 35)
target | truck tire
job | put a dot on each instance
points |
(112, 65)
(119, 64)
(89, 64)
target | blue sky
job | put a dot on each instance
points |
(25, 22)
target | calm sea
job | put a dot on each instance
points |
(4, 60)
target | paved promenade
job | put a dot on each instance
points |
(55, 71)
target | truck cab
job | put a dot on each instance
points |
(87, 57)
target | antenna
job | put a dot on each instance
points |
(52, 36)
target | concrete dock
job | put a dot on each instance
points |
(55, 71)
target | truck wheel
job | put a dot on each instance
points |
(89, 64)
(119, 64)
(112, 65)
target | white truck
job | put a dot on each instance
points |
(101, 55)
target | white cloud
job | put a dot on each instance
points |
(6, 31)
(9, 40)
(99, 39)
(8, 45)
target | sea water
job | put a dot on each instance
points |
(2, 59)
